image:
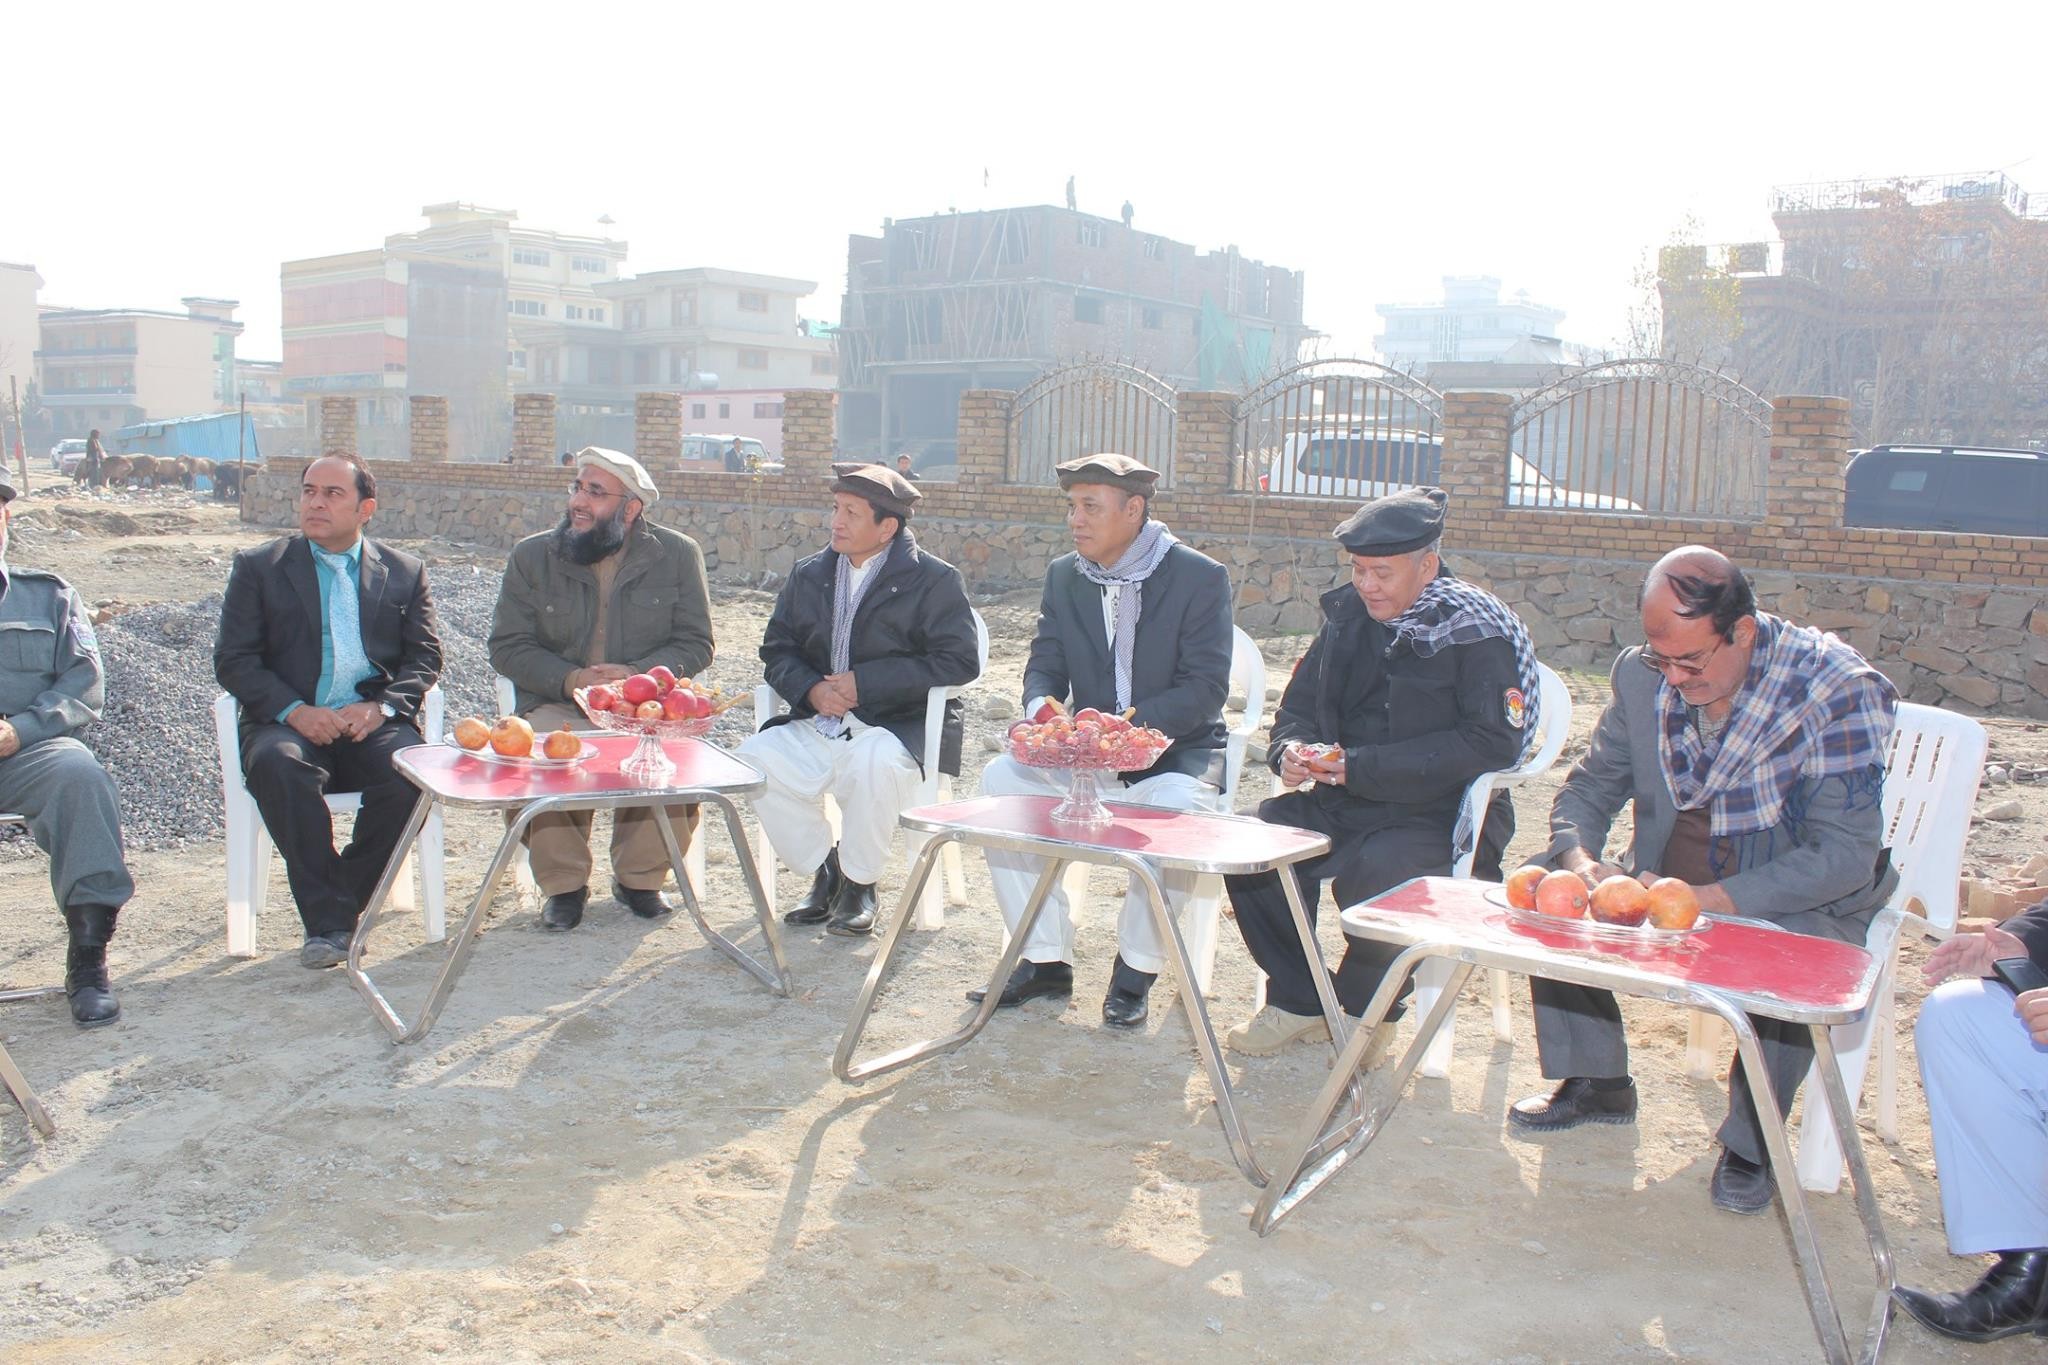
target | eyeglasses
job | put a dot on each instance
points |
(591, 491)
(1688, 667)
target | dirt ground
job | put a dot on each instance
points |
(615, 1146)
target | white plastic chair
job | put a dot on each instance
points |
(1201, 924)
(1554, 725)
(249, 845)
(522, 867)
(936, 786)
(1932, 769)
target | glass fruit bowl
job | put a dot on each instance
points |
(648, 762)
(1086, 749)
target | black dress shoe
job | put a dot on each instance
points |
(1124, 1006)
(85, 966)
(1574, 1102)
(853, 910)
(1029, 981)
(564, 911)
(2011, 1298)
(650, 904)
(1741, 1185)
(816, 906)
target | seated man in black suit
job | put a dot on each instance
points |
(328, 642)
(1134, 621)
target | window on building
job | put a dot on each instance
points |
(682, 308)
(1155, 248)
(753, 358)
(526, 255)
(529, 308)
(1088, 232)
(604, 367)
(753, 301)
(725, 409)
(597, 315)
(1152, 319)
(824, 364)
(573, 312)
(634, 317)
(697, 410)
(1087, 309)
(767, 409)
(516, 359)
(590, 265)
(643, 367)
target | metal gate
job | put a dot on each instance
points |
(1336, 428)
(1642, 435)
(1087, 408)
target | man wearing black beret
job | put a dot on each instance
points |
(1133, 621)
(1416, 684)
(860, 634)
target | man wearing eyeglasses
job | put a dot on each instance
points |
(1752, 753)
(603, 596)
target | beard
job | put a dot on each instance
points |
(605, 536)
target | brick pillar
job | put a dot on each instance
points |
(429, 428)
(983, 436)
(337, 426)
(658, 430)
(808, 443)
(1202, 456)
(1475, 461)
(533, 428)
(1810, 441)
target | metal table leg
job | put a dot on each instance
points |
(17, 1086)
(15, 997)
(777, 978)
(843, 1065)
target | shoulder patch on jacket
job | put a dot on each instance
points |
(1516, 707)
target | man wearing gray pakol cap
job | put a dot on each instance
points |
(860, 634)
(1132, 621)
(1416, 684)
(51, 687)
(603, 596)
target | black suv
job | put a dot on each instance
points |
(1949, 488)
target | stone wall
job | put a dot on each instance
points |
(1960, 620)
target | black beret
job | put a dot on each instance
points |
(1117, 471)
(885, 490)
(1396, 524)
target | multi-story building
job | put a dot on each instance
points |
(108, 367)
(1472, 324)
(19, 332)
(957, 301)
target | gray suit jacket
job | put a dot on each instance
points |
(1828, 860)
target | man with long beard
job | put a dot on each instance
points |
(603, 596)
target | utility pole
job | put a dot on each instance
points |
(242, 437)
(20, 443)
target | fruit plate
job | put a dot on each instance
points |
(1110, 761)
(489, 755)
(1592, 930)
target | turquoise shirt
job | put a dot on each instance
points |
(342, 670)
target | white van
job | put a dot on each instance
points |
(717, 450)
(1359, 464)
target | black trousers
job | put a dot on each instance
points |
(1358, 867)
(290, 776)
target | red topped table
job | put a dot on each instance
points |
(449, 776)
(1137, 839)
(1735, 969)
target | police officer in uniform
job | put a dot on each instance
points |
(50, 687)
(1416, 684)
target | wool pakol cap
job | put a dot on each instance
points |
(1396, 524)
(1117, 471)
(885, 490)
(623, 467)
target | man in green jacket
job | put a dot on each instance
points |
(604, 595)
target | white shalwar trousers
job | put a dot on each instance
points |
(1987, 1102)
(870, 775)
(1014, 874)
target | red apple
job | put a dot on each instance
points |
(664, 681)
(600, 699)
(1046, 711)
(1088, 713)
(649, 710)
(676, 704)
(639, 689)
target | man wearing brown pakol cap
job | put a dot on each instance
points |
(860, 634)
(603, 596)
(1416, 684)
(1135, 621)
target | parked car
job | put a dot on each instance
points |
(67, 455)
(717, 450)
(1361, 464)
(1978, 489)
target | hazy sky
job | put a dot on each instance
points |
(166, 150)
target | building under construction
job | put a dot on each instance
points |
(935, 306)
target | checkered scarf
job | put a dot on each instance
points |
(1453, 612)
(1811, 707)
(846, 599)
(1128, 577)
